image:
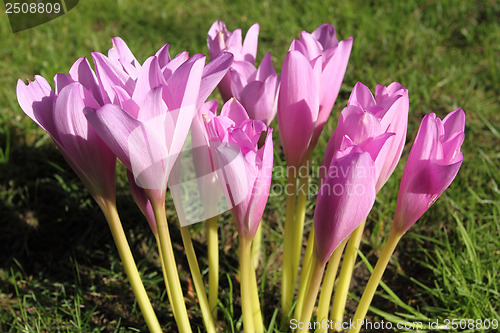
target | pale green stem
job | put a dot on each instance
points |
(351, 252)
(325, 296)
(298, 233)
(318, 268)
(305, 274)
(287, 288)
(164, 272)
(109, 210)
(213, 265)
(257, 315)
(374, 280)
(256, 246)
(197, 280)
(246, 285)
(177, 298)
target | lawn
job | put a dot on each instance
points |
(59, 268)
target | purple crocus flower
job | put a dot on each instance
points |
(433, 163)
(311, 76)
(247, 175)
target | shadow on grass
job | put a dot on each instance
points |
(56, 246)
(48, 224)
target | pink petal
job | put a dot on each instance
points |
(114, 126)
(153, 106)
(265, 69)
(61, 81)
(233, 44)
(96, 163)
(241, 73)
(420, 190)
(213, 72)
(344, 200)
(313, 48)
(37, 101)
(379, 149)
(233, 170)
(234, 111)
(297, 45)
(297, 106)
(260, 99)
(163, 56)
(331, 80)
(125, 102)
(358, 125)
(383, 93)
(261, 187)
(425, 146)
(122, 54)
(175, 63)
(216, 38)
(325, 34)
(184, 84)
(83, 73)
(250, 44)
(361, 96)
(150, 77)
(142, 201)
(109, 75)
(454, 123)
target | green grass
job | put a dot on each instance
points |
(59, 270)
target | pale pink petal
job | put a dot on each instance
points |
(241, 73)
(298, 105)
(184, 84)
(175, 63)
(142, 201)
(361, 96)
(109, 75)
(37, 101)
(344, 200)
(250, 44)
(261, 99)
(325, 34)
(265, 69)
(83, 73)
(234, 111)
(121, 53)
(314, 49)
(331, 80)
(150, 77)
(96, 163)
(213, 72)
(114, 126)
(420, 190)
(163, 56)
(153, 106)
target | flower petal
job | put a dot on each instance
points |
(96, 163)
(37, 101)
(114, 126)
(298, 105)
(122, 54)
(184, 84)
(250, 43)
(234, 111)
(213, 73)
(344, 200)
(109, 75)
(83, 73)
(361, 96)
(150, 77)
(325, 34)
